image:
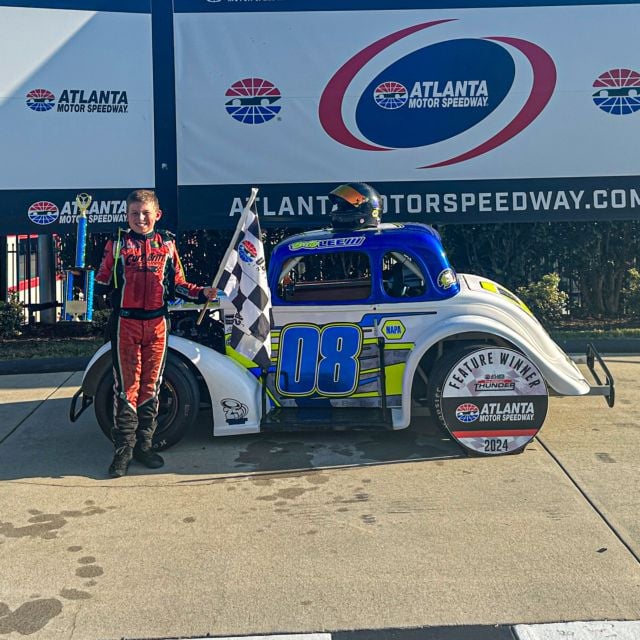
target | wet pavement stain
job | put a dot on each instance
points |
(45, 525)
(290, 493)
(267, 455)
(32, 616)
(75, 594)
(29, 617)
(90, 571)
(317, 478)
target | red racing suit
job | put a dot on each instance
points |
(144, 273)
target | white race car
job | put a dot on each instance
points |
(369, 324)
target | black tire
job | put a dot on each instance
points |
(437, 379)
(179, 402)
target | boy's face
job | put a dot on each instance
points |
(142, 216)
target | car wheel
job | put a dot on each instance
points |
(491, 400)
(179, 402)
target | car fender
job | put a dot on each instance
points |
(235, 392)
(560, 373)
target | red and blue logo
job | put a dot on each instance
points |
(467, 412)
(618, 91)
(253, 101)
(436, 93)
(390, 95)
(43, 212)
(40, 100)
(247, 251)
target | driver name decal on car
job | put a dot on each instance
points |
(331, 243)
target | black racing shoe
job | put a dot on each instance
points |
(121, 461)
(148, 457)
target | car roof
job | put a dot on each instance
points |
(374, 239)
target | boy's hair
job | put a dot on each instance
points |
(143, 195)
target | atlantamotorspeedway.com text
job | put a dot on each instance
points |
(488, 202)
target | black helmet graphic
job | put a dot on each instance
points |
(355, 205)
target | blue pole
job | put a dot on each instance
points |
(89, 278)
(68, 295)
(81, 240)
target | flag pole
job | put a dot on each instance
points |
(230, 248)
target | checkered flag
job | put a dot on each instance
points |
(243, 278)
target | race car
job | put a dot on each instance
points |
(369, 323)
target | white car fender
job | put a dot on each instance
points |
(560, 373)
(235, 392)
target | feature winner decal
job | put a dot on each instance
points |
(493, 401)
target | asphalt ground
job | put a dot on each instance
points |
(330, 532)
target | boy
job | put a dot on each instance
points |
(143, 270)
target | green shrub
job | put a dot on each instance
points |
(11, 317)
(631, 293)
(100, 322)
(545, 299)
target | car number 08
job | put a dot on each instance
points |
(319, 360)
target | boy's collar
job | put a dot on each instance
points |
(142, 236)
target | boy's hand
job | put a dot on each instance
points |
(211, 293)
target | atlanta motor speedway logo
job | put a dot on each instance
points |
(253, 101)
(617, 91)
(44, 212)
(437, 92)
(79, 101)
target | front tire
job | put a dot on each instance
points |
(179, 402)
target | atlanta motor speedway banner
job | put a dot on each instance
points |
(76, 112)
(455, 115)
(459, 113)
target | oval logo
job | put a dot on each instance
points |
(618, 91)
(253, 101)
(451, 87)
(247, 251)
(43, 212)
(436, 93)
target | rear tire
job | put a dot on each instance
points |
(179, 403)
(462, 422)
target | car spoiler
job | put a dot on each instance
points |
(604, 382)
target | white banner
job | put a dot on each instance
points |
(76, 99)
(413, 95)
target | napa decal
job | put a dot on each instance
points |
(392, 329)
(436, 92)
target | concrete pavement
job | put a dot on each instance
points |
(307, 533)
